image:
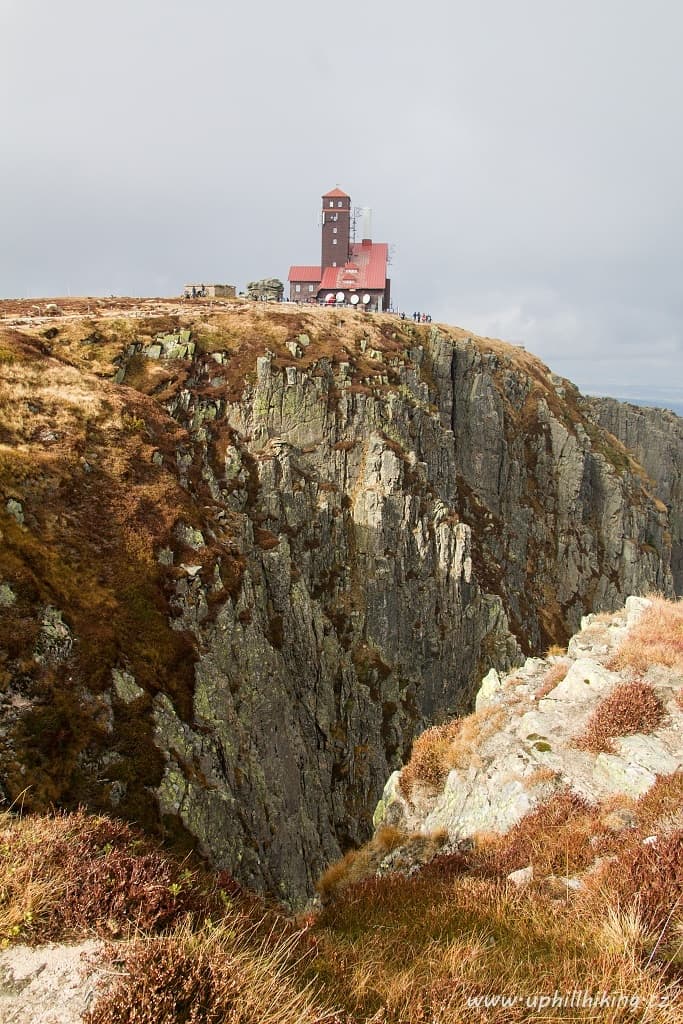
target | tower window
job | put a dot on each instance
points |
(334, 263)
(297, 288)
(311, 287)
(334, 241)
(334, 231)
(339, 202)
(331, 202)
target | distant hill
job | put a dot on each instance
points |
(654, 398)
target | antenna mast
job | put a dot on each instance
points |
(355, 215)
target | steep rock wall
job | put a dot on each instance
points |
(655, 436)
(561, 513)
(358, 619)
(357, 492)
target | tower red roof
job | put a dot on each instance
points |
(336, 193)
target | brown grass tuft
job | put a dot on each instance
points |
(356, 865)
(554, 838)
(428, 762)
(657, 638)
(540, 776)
(453, 745)
(552, 678)
(629, 708)
(648, 876)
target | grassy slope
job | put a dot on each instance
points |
(394, 949)
(75, 451)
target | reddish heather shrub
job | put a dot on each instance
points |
(629, 708)
(647, 874)
(109, 878)
(227, 975)
(661, 805)
(554, 837)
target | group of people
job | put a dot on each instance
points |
(195, 293)
(419, 318)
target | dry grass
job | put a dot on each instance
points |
(72, 875)
(657, 638)
(391, 949)
(357, 865)
(213, 976)
(429, 760)
(648, 876)
(624, 933)
(600, 618)
(453, 745)
(421, 949)
(630, 708)
(540, 776)
(553, 838)
(661, 803)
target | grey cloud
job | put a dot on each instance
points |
(523, 158)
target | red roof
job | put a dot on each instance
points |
(306, 274)
(367, 268)
(336, 193)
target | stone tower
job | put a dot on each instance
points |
(336, 228)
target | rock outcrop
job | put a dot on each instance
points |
(533, 734)
(266, 548)
(269, 289)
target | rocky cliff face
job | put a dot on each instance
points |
(250, 553)
(655, 436)
(563, 516)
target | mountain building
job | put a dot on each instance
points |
(350, 273)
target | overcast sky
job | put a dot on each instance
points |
(524, 158)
